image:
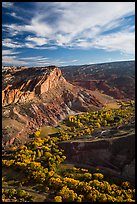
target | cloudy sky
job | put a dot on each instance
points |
(67, 33)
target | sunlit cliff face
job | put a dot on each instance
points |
(33, 97)
(24, 89)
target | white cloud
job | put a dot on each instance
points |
(7, 42)
(14, 15)
(10, 43)
(76, 17)
(35, 58)
(29, 45)
(12, 29)
(41, 61)
(9, 52)
(7, 4)
(34, 46)
(122, 41)
(47, 48)
(12, 60)
(33, 61)
(37, 40)
(78, 25)
(74, 60)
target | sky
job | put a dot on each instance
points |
(67, 33)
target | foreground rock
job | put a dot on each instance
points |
(115, 156)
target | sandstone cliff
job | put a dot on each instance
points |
(33, 97)
(27, 88)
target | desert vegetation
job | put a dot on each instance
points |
(42, 166)
(86, 123)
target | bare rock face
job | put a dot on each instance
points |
(129, 170)
(114, 155)
(23, 90)
(33, 97)
(111, 91)
(116, 79)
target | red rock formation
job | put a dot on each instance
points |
(90, 84)
(111, 91)
(22, 91)
(102, 85)
(116, 79)
(40, 96)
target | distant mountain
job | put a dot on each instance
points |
(116, 79)
(33, 97)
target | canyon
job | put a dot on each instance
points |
(114, 156)
(43, 96)
(38, 96)
(33, 97)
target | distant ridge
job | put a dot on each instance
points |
(116, 79)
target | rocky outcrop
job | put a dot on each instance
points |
(88, 84)
(27, 89)
(114, 154)
(111, 91)
(32, 97)
(103, 87)
(116, 79)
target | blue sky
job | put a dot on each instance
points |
(67, 33)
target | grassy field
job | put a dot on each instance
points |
(112, 105)
(45, 131)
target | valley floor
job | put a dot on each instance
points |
(72, 162)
